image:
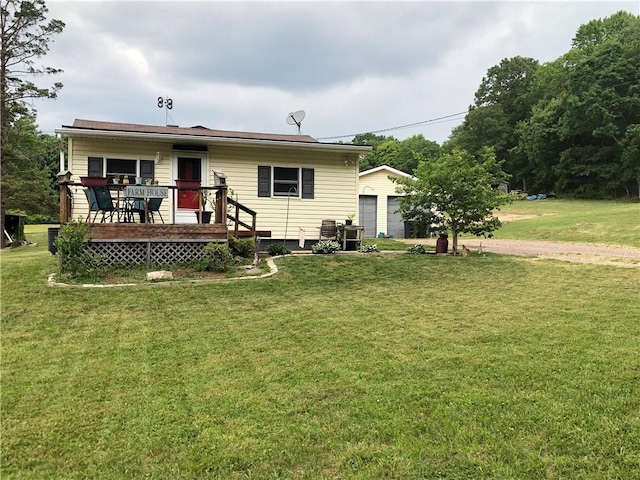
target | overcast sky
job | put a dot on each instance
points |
(353, 67)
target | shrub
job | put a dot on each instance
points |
(244, 247)
(369, 248)
(325, 246)
(39, 219)
(216, 257)
(276, 249)
(74, 259)
(417, 249)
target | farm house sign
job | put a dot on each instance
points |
(146, 191)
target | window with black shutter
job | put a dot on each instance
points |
(147, 170)
(264, 181)
(307, 182)
(95, 167)
(285, 182)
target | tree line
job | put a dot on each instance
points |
(570, 126)
(28, 158)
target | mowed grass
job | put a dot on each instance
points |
(359, 366)
(582, 221)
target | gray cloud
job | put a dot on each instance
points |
(353, 66)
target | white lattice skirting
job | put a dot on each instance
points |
(147, 252)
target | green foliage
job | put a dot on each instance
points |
(369, 248)
(40, 219)
(325, 247)
(25, 34)
(30, 164)
(403, 155)
(276, 249)
(455, 193)
(216, 257)
(567, 126)
(74, 260)
(244, 247)
(416, 249)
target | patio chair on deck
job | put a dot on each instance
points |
(328, 230)
(93, 205)
(100, 200)
(154, 207)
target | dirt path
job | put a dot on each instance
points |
(571, 252)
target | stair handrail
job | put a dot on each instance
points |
(236, 217)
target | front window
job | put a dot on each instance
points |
(286, 181)
(119, 168)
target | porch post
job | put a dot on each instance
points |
(64, 179)
(221, 205)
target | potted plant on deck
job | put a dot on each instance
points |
(206, 196)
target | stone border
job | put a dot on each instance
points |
(273, 269)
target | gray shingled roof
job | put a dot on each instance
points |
(191, 131)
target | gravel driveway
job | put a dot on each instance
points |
(570, 252)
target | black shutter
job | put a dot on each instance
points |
(307, 182)
(95, 167)
(264, 181)
(147, 169)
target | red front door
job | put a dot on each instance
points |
(189, 168)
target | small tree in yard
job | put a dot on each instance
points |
(454, 193)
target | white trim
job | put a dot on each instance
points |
(388, 169)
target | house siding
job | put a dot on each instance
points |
(335, 183)
(335, 187)
(80, 149)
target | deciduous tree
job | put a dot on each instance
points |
(459, 187)
(25, 35)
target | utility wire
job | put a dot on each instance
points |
(409, 125)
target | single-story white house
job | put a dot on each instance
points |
(378, 206)
(292, 182)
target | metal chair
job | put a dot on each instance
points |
(100, 201)
(153, 207)
(104, 202)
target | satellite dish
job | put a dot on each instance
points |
(296, 118)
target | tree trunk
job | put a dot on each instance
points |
(454, 246)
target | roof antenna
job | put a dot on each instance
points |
(296, 118)
(167, 104)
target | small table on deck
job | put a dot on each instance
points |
(351, 235)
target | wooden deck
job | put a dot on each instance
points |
(209, 232)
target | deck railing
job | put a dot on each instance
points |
(71, 191)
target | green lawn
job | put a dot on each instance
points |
(359, 366)
(583, 221)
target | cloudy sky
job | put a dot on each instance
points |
(353, 67)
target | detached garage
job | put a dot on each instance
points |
(379, 202)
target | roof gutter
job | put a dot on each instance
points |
(225, 141)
